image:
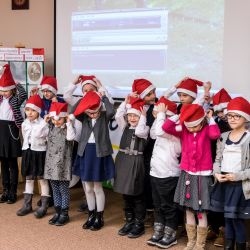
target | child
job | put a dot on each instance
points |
(94, 162)
(48, 87)
(129, 176)
(12, 96)
(232, 170)
(58, 160)
(35, 131)
(164, 177)
(196, 165)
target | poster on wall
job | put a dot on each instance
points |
(18, 70)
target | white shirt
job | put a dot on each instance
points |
(6, 112)
(35, 133)
(92, 137)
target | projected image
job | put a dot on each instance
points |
(161, 40)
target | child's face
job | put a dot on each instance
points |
(7, 93)
(185, 98)
(235, 120)
(93, 115)
(88, 87)
(58, 123)
(48, 94)
(149, 99)
(31, 114)
(221, 114)
(133, 119)
(195, 129)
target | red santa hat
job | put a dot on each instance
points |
(50, 83)
(172, 107)
(90, 102)
(142, 87)
(6, 81)
(35, 102)
(88, 80)
(240, 106)
(134, 106)
(192, 115)
(58, 110)
(220, 100)
(189, 87)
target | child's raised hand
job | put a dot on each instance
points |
(161, 107)
(34, 91)
(134, 94)
(46, 118)
(77, 80)
(98, 83)
(221, 177)
(143, 111)
(54, 99)
(210, 113)
(230, 177)
(207, 86)
(127, 98)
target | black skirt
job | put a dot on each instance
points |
(10, 144)
(33, 164)
(228, 197)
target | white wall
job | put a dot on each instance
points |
(33, 27)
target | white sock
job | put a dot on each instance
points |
(44, 187)
(90, 195)
(100, 196)
(29, 187)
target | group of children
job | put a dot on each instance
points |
(178, 143)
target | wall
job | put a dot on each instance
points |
(33, 27)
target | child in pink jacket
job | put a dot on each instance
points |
(196, 132)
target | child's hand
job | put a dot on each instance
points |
(34, 91)
(162, 108)
(77, 80)
(127, 99)
(143, 112)
(54, 99)
(230, 177)
(134, 94)
(98, 83)
(210, 113)
(207, 86)
(221, 177)
(46, 118)
(102, 93)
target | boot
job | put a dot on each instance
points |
(201, 238)
(4, 196)
(56, 216)
(90, 221)
(137, 230)
(191, 234)
(12, 195)
(158, 234)
(169, 238)
(229, 244)
(42, 210)
(128, 225)
(99, 222)
(63, 218)
(241, 246)
(27, 205)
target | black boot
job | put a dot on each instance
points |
(27, 205)
(169, 238)
(63, 218)
(128, 225)
(56, 216)
(158, 234)
(99, 222)
(90, 221)
(137, 230)
(42, 210)
(241, 246)
(4, 196)
(12, 195)
(229, 244)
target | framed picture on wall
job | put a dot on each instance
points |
(20, 4)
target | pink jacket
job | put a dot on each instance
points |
(196, 150)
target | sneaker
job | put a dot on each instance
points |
(219, 241)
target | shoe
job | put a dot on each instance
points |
(27, 205)
(201, 238)
(83, 207)
(99, 222)
(158, 234)
(56, 216)
(42, 210)
(12, 199)
(192, 234)
(219, 241)
(127, 227)
(63, 217)
(229, 244)
(211, 235)
(4, 197)
(149, 220)
(137, 230)
(169, 238)
(90, 221)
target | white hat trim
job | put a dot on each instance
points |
(93, 111)
(220, 106)
(170, 113)
(194, 123)
(7, 88)
(245, 115)
(186, 91)
(133, 111)
(61, 114)
(49, 87)
(146, 91)
(33, 106)
(89, 82)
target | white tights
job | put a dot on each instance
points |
(190, 217)
(95, 196)
(29, 187)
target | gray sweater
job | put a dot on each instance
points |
(244, 174)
